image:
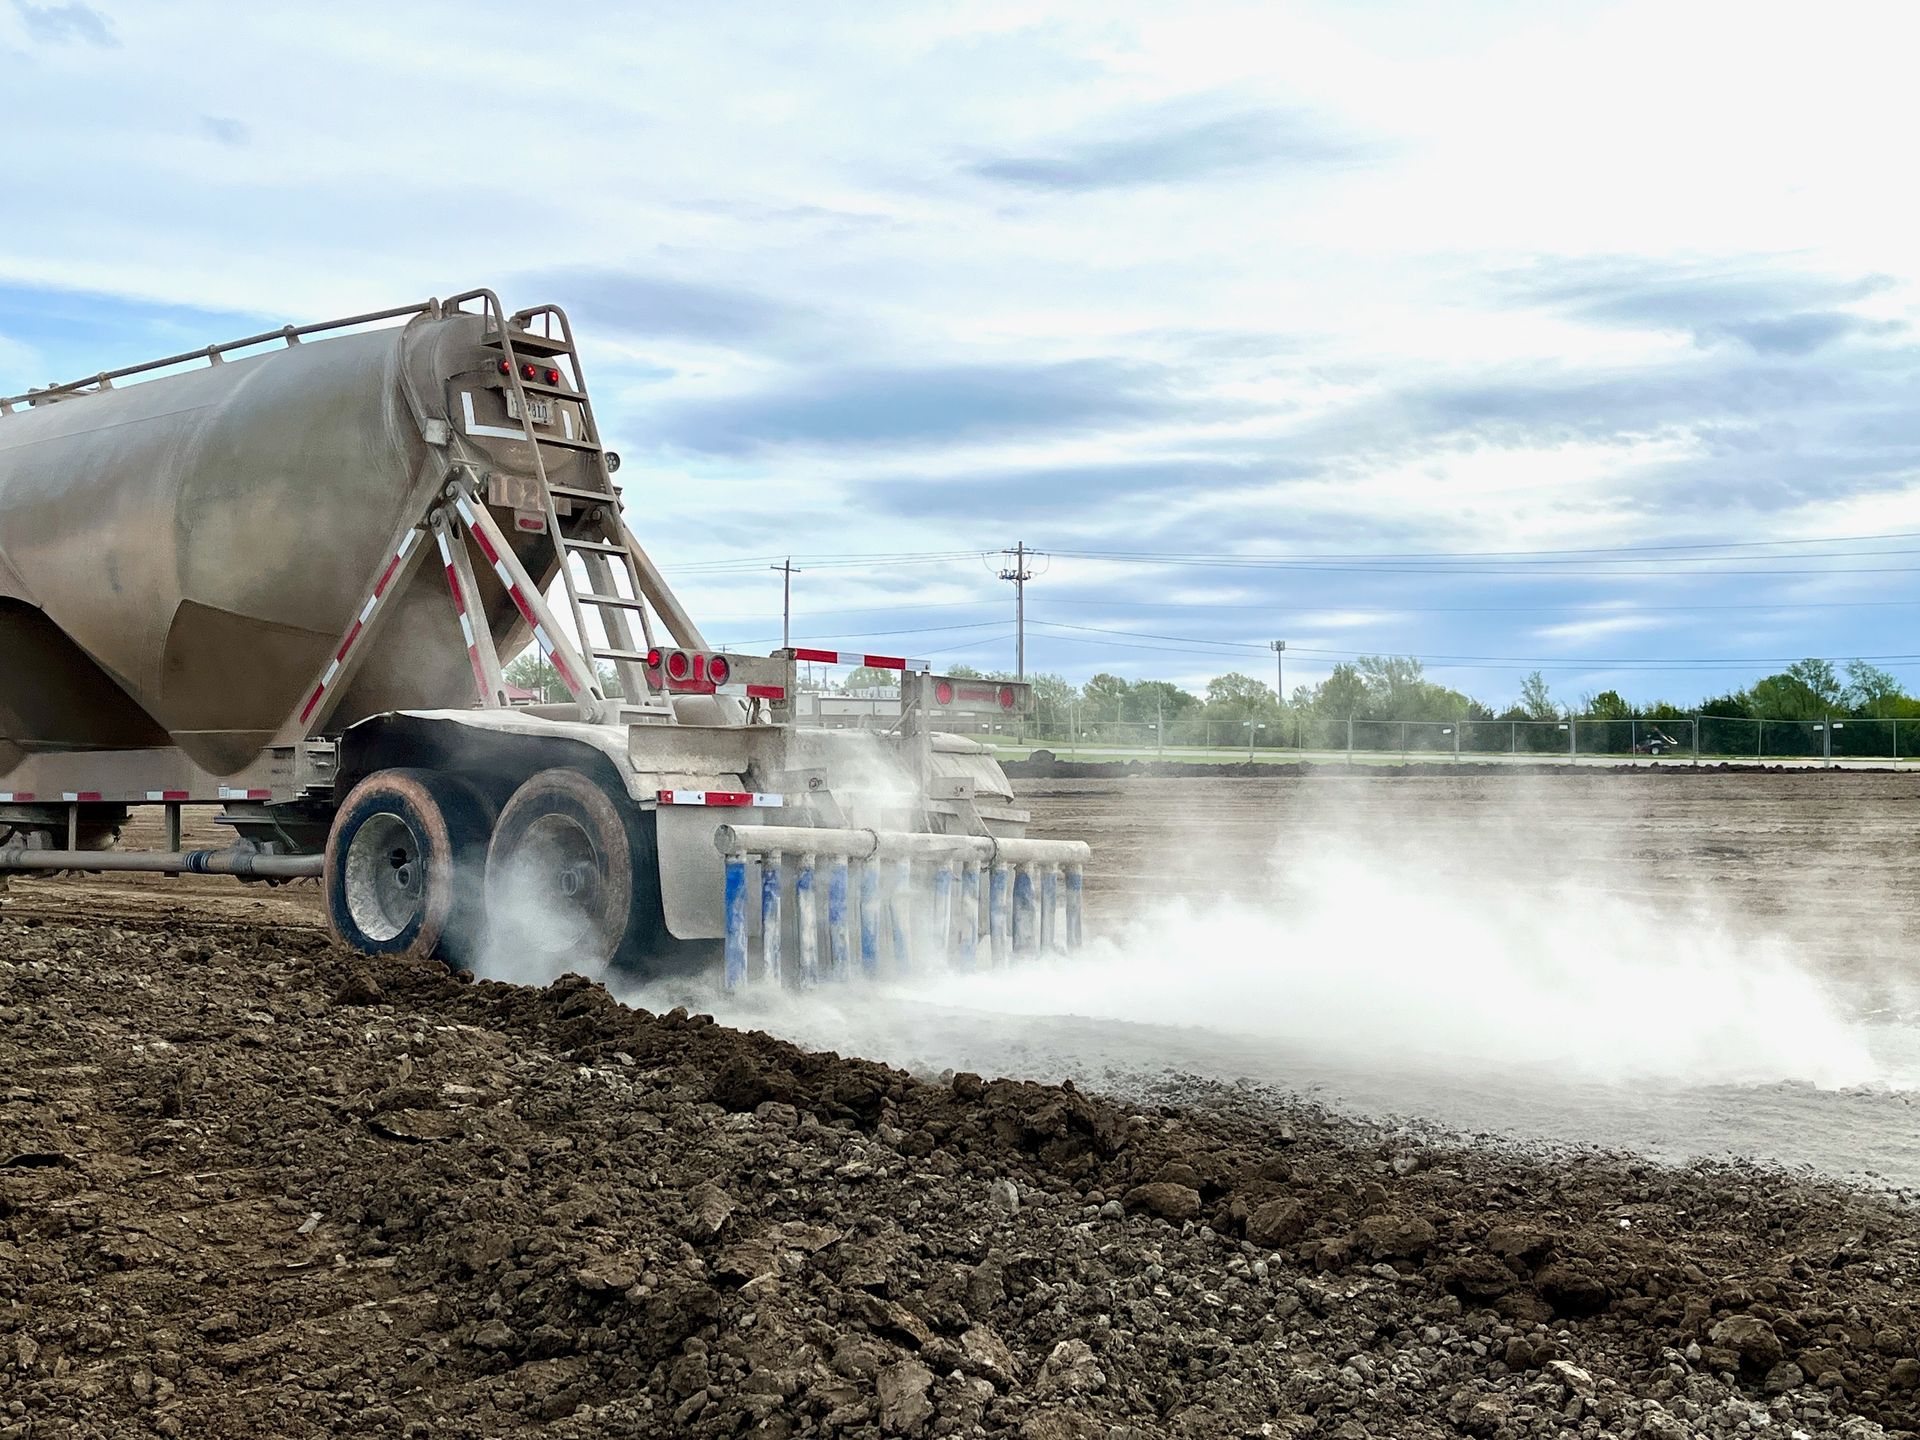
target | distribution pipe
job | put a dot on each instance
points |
(246, 864)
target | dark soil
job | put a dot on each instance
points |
(253, 1186)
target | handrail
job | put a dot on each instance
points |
(212, 354)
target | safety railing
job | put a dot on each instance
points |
(908, 899)
(212, 354)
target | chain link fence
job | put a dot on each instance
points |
(1708, 739)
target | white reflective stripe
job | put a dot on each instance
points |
(332, 670)
(500, 569)
(466, 405)
(699, 797)
(446, 554)
(466, 628)
(156, 794)
(460, 504)
(566, 421)
(406, 545)
(540, 634)
(70, 795)
(367, 613)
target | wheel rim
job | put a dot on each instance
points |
(385, 877)
(555, 900)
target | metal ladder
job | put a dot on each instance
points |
(597, 534)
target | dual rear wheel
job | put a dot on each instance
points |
(564, 878)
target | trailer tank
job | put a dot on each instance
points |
(178, 556)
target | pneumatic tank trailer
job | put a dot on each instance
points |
(280, 576)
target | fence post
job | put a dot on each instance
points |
(1458, 726)
(1403, 742)
(1633, 735)
(1349, 740)
(1696, 739)
(1759, 737)
(1573, 736)
(1826, 743)
(1513, 742)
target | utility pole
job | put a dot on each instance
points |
(787, 572)
(1019, 575)
(1279, 648)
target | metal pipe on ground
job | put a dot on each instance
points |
(242, 863)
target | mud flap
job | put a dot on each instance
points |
(693, 876)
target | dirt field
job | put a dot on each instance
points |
(251, 1186)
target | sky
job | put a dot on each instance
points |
(1508, 336)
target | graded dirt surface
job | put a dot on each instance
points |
(253, 1186)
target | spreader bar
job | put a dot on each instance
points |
(1028, 908)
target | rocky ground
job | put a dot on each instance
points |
(253, 1186)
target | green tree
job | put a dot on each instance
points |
(1872, 691)
(1819, 678)
(1342, 695)
(1154, 699)
(532, 672)
(1239, 694)
(1104, 697)
(1536, 701)
(1607, 705)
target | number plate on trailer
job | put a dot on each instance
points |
(538, 406)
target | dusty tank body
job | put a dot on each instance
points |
(282, 576)
(178, 557)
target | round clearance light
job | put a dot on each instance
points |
(653, 658)
(679, 665)
(529, 371)
(553, 376)
(943, 692)
(1007, 697)
(505, 369)
(718, 669)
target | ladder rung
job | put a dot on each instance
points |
(555, 440)
(526, 343)
(573, 492)
(599, 546)
(612, 602)
(639, 655)
(535, 387)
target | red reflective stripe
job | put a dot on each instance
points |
(486, 546)
(87, 795)
(766, 692)
(347, 644)
(386, 577)
(830, 657)
(453, 584)
(566, 675)
(313, 702)
(479, 670)
(884, 662)
(21, 797)
(525, 609)
(174, 795)
(729, 797)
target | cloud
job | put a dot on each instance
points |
(225, 129)
(1771, 312)
(1162, 149)
(861, 406)
(68, 23)
(1063, 490)
(1599, 629)
(635, 303)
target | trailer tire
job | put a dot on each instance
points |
(404, 860)
(575, 878)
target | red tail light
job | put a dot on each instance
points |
(679, 666)
(718, 669)
(553, 377)
(505, 369)
(653, 658)
(529, 371)
(1007, 697)
(943, 692)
